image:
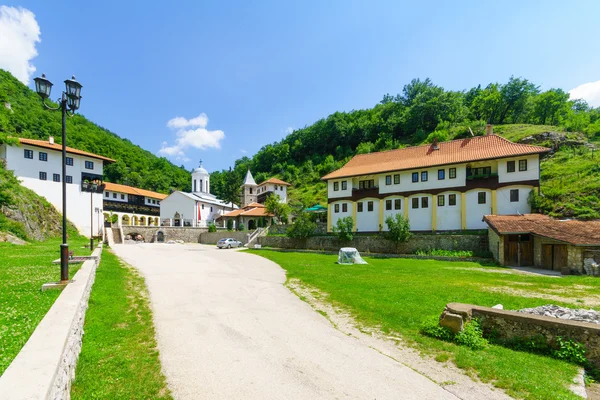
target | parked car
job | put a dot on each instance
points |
(228, 243)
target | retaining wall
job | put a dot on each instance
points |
(282, 229)
(45, 366)
(214, 237)
(188, 235)
(377, 244)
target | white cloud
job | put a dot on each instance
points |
(589, 92)
(288, 130)
(243, 151)
(191, 133)
(19, 33)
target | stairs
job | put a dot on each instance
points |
(255, 235)
(115, 235)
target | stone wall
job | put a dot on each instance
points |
(504, 324)
(496, 243)
(214, 237)
(282, 229)
(377, 244)
(575, 254)
(149, 233)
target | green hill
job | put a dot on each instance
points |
(424, 111)
(22, 115)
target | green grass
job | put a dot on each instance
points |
(23, 270)
(119, 358)
(401, 295)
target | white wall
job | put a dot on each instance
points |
(532, 173)
(335, 216)
(407, 185)
(339, 193)
(420, 218)
(448, 218)
(392, 212)
(506, 207)
(475, 211)
(368, 221)
(178, 203)
(118, 198)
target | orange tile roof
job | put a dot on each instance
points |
(569, 231)
(275, 181)
(254, 204)
(452, 152)
(234, 213)
(58, 147)
(256, 212)
(116, 187)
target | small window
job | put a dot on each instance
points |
(522, 165)
(481, 198)
(114, 195)
(89, 165)
(441, 200)
(388, 179)
(43, 176)
(211, 209)
(415, 177)
(397, 204)
(510, 166)
(106, 194)
(388, 205)
(424, 176)
(70, 161)
(366, 184)
(344, 185)
(122, 197)
(424, 202)
(69, 179)
(43, 156)
(359, 206)
(514, 195)
(336, 208)
(250, 190)
(345, 207)
(56, 177)
(203, 206)
(28, 154)
(369, 206)
(396, 179)
(415, 202)
(441, 174)
(451, 199)
(336, 186)
(452, 173)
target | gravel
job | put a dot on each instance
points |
(565, 313)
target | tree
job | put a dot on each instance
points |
(212, 227)
(343, 228)
(274, 206)
(304, 226)
(547, 106)
(229, 224)
(230, 187)
(514, 98)
(398, 229)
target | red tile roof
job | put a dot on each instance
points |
(250, 210)
(58, 147)
(569, 231)
(456, 151)
(115, 187)
(275, 181)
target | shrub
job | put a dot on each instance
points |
(241, 227)
(471, 335)
(398, 229)
(212, 227)
(229, 224)
(303, 227)
(570, 350)
(343, 228)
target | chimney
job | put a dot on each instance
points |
(489, 129)
(435, 146)
(51, 140)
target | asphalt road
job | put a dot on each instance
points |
(227, 328)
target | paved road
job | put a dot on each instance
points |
(227, 328)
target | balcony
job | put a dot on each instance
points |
(482, 181)
(133, 208)
(358, 193)
(92, 187)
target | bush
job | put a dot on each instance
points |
(303, 227)
(471, 336)
(343, 228)
(570, 350)
(212, 227)
(241, 227)
(398, 229)
(229, 224)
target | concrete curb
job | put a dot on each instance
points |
(45, 366)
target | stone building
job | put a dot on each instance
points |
(253, 193)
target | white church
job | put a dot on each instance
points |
(196, 209)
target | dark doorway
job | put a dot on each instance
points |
(160, 237)
(518, 250)
(251, 225)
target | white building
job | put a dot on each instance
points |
(253, 193)
(438, 187)
(131, 205)
(196, 209)
(38, 165)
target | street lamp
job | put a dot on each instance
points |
(68, 104)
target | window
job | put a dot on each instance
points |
(415, 177)
(522, 165)
(452, 173)
(424, 176)
(70, 161)
(441, 174)
(154, 202)
(203, 206)
(69, 179)
(415, 202)
(424, 202)
(510, 166)
(43, 176)
(396, 179)
(114, 195)
(89, 165)
(388, 180)
(345, 207)
(106, 194)
(359, 206)
(56, 177)
(122, 197)
(514, 195)
(344, 185)
(481, 198)
(336, 186)
(250, 190)
(441, 200)
(211, 209)
(44, 156)
(388, 205)
(369, 206)
(451, 199)
(29, 154)
(336, 208)
(397, 204)
(366, 184)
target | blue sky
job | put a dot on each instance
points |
(257, 70)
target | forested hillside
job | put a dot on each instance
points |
(424, 111)
(22, 115)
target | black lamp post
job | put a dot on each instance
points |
(68, 104)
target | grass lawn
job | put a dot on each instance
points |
(119, 358)
(23, 270)
(400, 295)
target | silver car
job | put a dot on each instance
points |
(228, 243)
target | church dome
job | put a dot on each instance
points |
(200, 170)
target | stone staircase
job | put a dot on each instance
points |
(116, 234)
(255, 235)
